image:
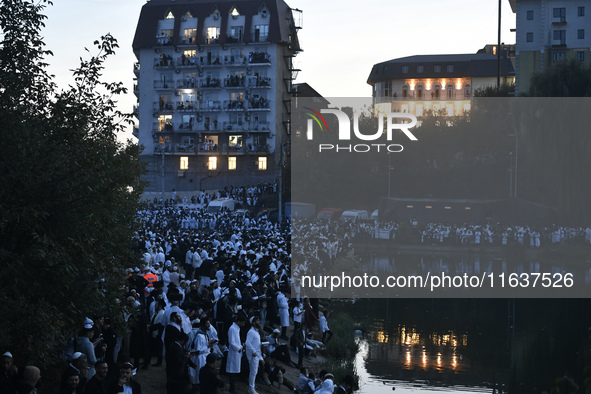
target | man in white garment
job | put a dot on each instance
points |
(234, 351)
(253, 352)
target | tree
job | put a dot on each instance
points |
(69, 190)
(570, 78)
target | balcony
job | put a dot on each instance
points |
(186, 127)
(186, 61)
(164, 61)
(210, 61)
(234, 81)
(211, 40)
(233, 40)
(234, 105)
(230, 150)
(161, 106)
(427, 96)
(259, 58)
(187, 106)
(185, 148)
(164, 127)
(189, 41)
(210, 105)
(163, 85)
(234, 60)
(187, 83)
(235, 127)
(257, 103)
(211, 83)
(259, 82)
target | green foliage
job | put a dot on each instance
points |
(343, 347)
(69, 190)
(505, 90)
(570, 78)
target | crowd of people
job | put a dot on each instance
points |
(209, 295)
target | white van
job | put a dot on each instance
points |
(354, 215)
(223, 204)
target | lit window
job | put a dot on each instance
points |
(581, 34)
(189, 35)
(581, 11)
(234, 12)
(410, 206)
(450, 68)
(404, 69)
(212, 163)
(447, 207)
(184, 163)
(231, 163)
(169, 15)
(188, 14)
(428, 206)
(262, 164)
(467, 208)
(529, 37)
(213, 33)
(530, 15)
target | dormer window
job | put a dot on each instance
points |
(169, 15)
(234, 13)
(187, 14)
(261, 33)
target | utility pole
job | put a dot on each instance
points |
(499, 50)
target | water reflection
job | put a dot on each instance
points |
(472, 345)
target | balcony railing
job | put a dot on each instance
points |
(424, 97)
(234, 105)
(258, 103)
(211, 83)
(228, 126)
(162, 85)
(259, 82)
(234, 60)
(187, 106)
(163, 106)
(187, 83)
(210, 105)
(164, 61)
(234, 81)
(259, 57)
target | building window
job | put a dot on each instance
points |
(184, 163)
(420, 91)
(559, 35)
(236, 32)
(235, 142)
(213, 33)
(581, 34)
(169, 15)
(232, 163)
(405, 69)
(189, 35)
(261, 32)
(529, 37)
(581, 56)
(450, 68)
(530, 15)
(262, 163)
(559, 13)
(420, 69)
(437, 69)
(467, 90)
(558, 56)
(212, 163)
(581, 11)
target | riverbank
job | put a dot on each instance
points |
(554, 250)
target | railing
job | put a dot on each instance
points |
(258, 103)
(210, 105)
(235, 127)
(158, 84)
(425, 97)
(187, 83)
(167, 127)
(187, 106)
(233, 105)
(234, 60)
(234, 81)
(186, 61)
(164, 61)
(259, 82)
(211, 83)
(163, 106)
(211, 40)
(259, 57)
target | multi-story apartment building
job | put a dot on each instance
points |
(548, 31)
(441, 84)
(214, 83)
